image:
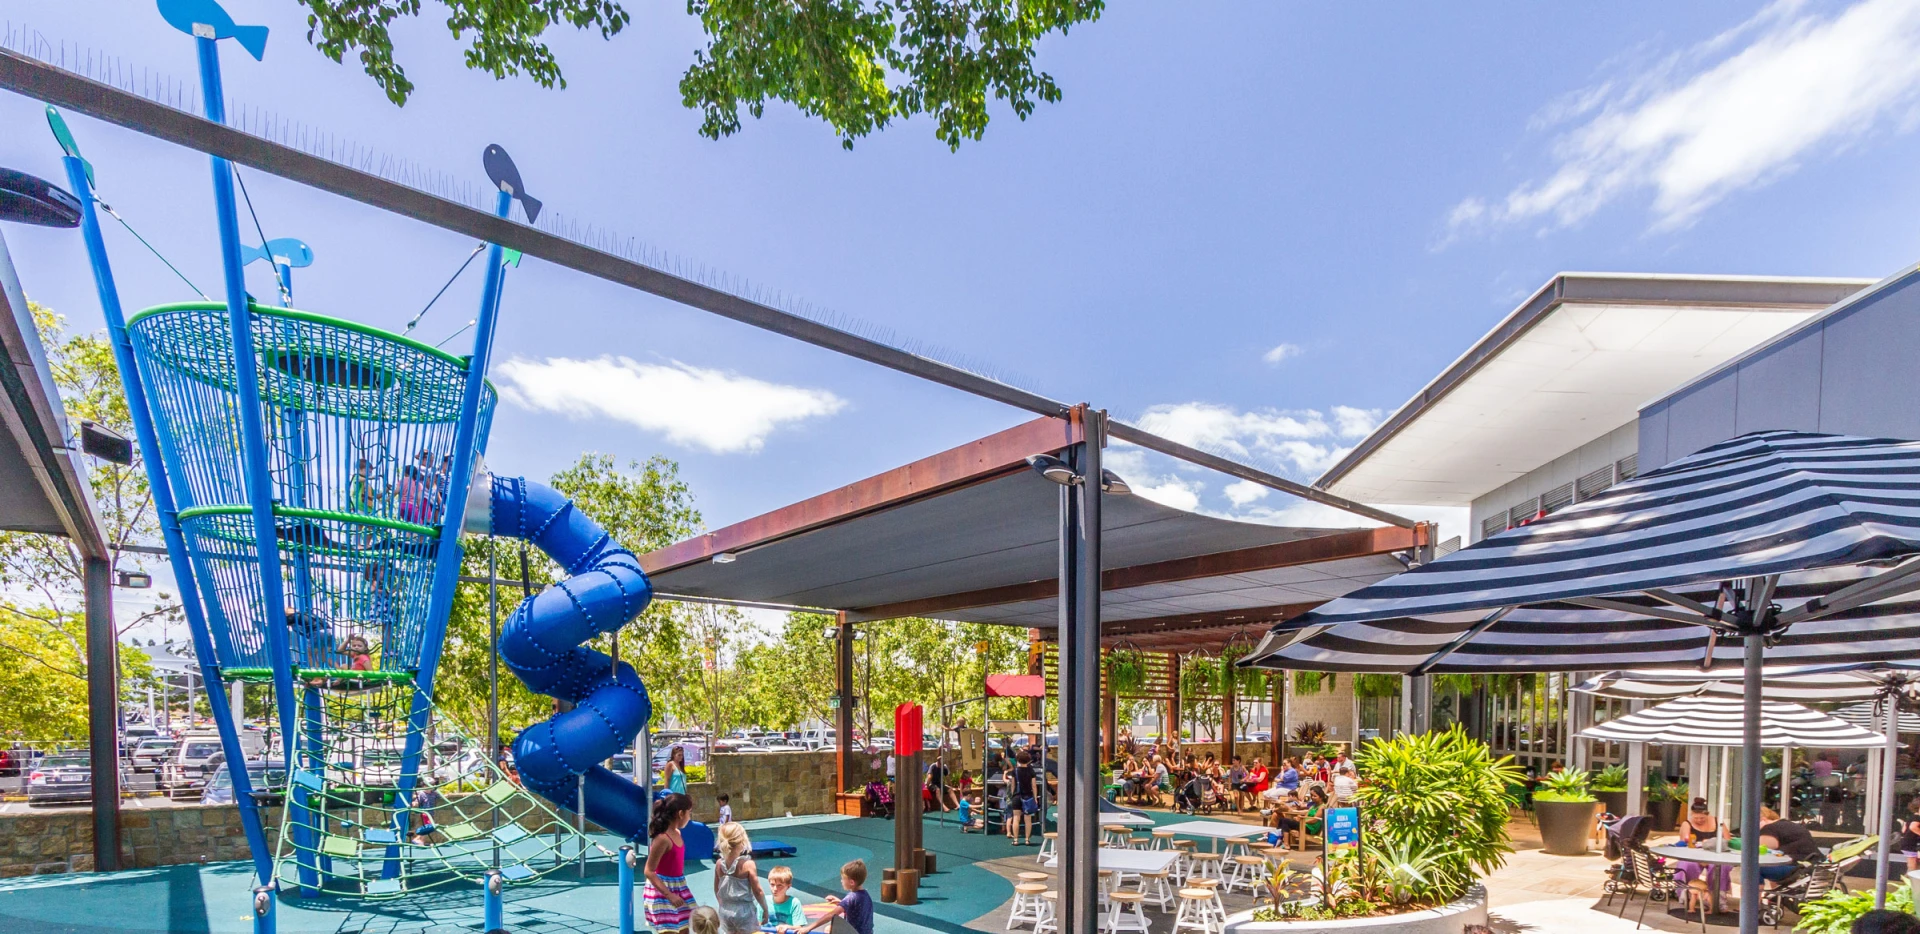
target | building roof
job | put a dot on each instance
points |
(1576, 360)
(46, 489)
(972, 534)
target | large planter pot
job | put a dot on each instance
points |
(1450, 918)
(1565, 826)
(1614, 801)
(1664, 814)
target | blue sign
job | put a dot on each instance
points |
(1343, 827)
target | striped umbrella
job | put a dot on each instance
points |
(1707, 541)
(1777, 683)
(1720, 721)
(1864, 715)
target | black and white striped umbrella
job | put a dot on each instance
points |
(1718, 721)
(1747, 519)
(1771, 502)
(1776, 684)
(1565, 637)
(1863, 714)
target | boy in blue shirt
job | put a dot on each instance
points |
(856, 906)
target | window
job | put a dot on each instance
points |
(1627, 467)
(1493, 525)
(1525, 512)
(1593, 484)
(1557, 498)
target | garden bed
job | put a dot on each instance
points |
(1470, 908)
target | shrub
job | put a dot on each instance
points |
(1572, 787)
(1611, 778)
(1834, 912)
(1440, 802)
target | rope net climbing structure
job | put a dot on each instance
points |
(360, 430)
(467, 817)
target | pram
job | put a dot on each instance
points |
(880, 799)
(1195, 794)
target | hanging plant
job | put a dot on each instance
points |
(1126, 671)
(1200, 677)
(1309, 683)
(1247, 682)
(1457, 683)
(1376, 685)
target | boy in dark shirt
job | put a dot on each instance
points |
(856, 906)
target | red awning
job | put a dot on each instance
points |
(1016, 686)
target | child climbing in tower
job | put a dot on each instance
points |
(359, 654)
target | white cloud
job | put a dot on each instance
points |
(722, 412)
(1737, 111)
(1282, 352)
(1307, 441)
(1244, 492)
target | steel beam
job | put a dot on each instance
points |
(1080, 683)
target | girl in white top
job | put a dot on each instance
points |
(736, 883)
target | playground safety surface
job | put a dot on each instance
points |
(215, 898)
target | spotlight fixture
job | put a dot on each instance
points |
(1053, 468)
(1110, 482)
(725, 557)
(135, 580)
(105, 443)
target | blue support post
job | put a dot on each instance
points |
(253, 435)
(496, 909)
(263, 910)
(626, 889)
(159, 471)
(446, 568)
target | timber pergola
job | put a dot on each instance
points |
(974, 534)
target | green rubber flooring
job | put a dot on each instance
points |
(215, 898)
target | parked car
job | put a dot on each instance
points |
(187, 769)
(60, 779)
(269, 781)
(151, 755)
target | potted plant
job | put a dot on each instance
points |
(852, 802)
(1664, 799)
(1610, 786)
(1566, 808)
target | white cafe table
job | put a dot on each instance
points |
(1120, 860)
(1216, 830)
(1708, 856)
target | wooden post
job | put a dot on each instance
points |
(1109, 720)
(1036, 665)
(1172, 731)
(1229, 701)
(1278, 720)
(843, 694)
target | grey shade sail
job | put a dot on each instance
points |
(1564, 637)
(1717, 721)
(1765, 503)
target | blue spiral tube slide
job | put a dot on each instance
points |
(541, 644)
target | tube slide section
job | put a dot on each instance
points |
(541, 644)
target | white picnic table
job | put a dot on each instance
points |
(1121, 860)
(1215, 830)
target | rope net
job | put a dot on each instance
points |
(359, 429)
(341, 832)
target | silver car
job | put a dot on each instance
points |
(151, 755)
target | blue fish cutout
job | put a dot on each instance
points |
(506, 176)
(205, 19)
(281, 251)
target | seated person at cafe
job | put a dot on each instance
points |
(1787, 837)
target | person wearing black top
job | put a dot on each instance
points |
(1788, 838)
(1026, 805)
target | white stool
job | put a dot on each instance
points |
(1046, 847)
(1196, 912)
(1106, 885)
(1205, 866)
(1246, 872)
(1215, 906)
(1049, 922)
(1119, 918)
(1162, 840)
(1028, 906)
(1154, 886)
(1113, 835)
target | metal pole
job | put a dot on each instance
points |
(1886, 819)
(1751, 794)
(495, 920)
(843, 697)
(103, 713)
(627, 860)
(1080, 685)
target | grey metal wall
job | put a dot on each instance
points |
(1853, 370)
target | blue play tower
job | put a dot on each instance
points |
(313, 477)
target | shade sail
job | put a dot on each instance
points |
(1769, 502)
(1863, 715)
(1716, 721)
(1563, 637)
(1016, 686)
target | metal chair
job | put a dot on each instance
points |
(1658, 879)
(1811, 882)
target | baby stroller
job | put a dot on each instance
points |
(879, 799)
(1192, 795)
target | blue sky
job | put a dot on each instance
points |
(1252, 226)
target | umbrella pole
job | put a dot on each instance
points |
(1751, 794)
(1887, 821)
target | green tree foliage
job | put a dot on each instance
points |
(43, 632)
(857, 64)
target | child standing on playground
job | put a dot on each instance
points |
(668, 900)
(674, 776)
(736, 883)
(856, 906)
(783, 912)
(726, 808)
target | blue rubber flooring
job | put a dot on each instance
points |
(215, 898)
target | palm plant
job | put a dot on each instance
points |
(1611, 778)
(1412, 870)
(1574, 786)
(1444, 796)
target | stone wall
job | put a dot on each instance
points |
(1248, 751)
(62, 841)
(775, 784)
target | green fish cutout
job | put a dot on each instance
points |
(510, 257)
(64, 137)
